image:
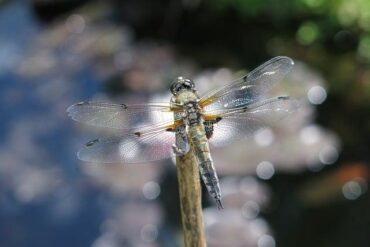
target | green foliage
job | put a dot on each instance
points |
(354, 13)
(307, 33)
(332, 35)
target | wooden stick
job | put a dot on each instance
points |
(190, 200)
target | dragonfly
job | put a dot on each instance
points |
(189, 122)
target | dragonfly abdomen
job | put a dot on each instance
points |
(207, 170)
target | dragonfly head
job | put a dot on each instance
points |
(181, 83)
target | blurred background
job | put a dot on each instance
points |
(301, 183)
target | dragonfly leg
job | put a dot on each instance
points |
(182, 145)
(178, 151)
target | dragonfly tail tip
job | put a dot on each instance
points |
(219, 204)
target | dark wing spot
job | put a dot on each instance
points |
(170, 129)
(283, 97)
(218, 119)
(124, 106)
(138, 134)
(91, 143)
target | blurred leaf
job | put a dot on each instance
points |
(307, 33)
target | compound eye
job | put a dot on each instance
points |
(175, 88)
(189, 83)
(180, 83)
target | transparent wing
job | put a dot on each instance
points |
(140, 147)
(231, 130)
(243, 122)
(249, 88)
(121, 116)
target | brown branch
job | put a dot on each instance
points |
(190, 200)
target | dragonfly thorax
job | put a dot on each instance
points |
(193, 112)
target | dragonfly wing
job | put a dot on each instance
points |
(139, 147)
(250, 88)
(231, 130)
(242, 122)
(121, 116)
